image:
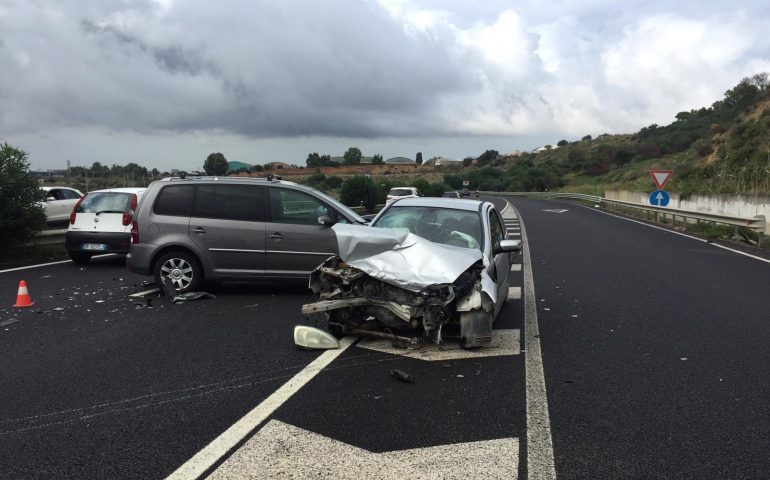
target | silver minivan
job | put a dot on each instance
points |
(224, 228)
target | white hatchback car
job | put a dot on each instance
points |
(101, 223)
(59, 202)
(402, 192)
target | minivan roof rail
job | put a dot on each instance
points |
(269, 178)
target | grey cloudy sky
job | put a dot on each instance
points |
(163, 83)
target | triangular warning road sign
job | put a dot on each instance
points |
(660, 177)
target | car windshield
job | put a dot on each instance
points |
(449, 226)
(400, 192)
(106, 202)
(339, 206)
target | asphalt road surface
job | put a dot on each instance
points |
(653, 349)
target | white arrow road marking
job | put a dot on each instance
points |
(557, 210)
(280, 450)
(218, 448)
(504, 342)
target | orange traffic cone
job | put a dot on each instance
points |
(22, 298)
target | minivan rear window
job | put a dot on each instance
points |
(400, 192)
(175, 200)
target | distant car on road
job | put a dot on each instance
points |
(452, 194)
(101, 223)
(465, 192)
(59, 202)
(402, 192)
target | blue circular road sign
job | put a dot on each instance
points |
(659, 198)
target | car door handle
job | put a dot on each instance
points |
(199, 230)
(276, 235)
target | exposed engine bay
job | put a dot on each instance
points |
(386, 280)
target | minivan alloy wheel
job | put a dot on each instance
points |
(181, 269)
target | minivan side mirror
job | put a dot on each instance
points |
(50, 199)
(325, 220)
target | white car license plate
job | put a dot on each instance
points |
(94, 246)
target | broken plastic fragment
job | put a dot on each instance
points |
(401, 375)
(192, 296)
(312, 338)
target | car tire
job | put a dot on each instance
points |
(182, 269)
(79, 257)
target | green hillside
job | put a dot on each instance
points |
(724, 148)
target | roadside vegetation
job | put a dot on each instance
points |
(21, 213)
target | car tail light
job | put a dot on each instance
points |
(73, 213)
(127, 216)
(134, 232)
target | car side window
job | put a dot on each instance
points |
(231, 202)
(497, 232)
(54, 193)
(67, 195)
(290, 206)
(175, 200)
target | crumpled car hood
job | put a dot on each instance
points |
(405, 260)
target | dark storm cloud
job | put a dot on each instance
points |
(342, 68)
(170, 58)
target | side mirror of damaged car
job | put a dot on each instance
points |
(310, 338)
(325, 220)
(508, 246)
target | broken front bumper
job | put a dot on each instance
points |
(356, 301)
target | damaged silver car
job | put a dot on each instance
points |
(429, 265)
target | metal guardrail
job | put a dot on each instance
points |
(48, 237)
(757, 223)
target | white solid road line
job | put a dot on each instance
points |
(678, 233)
(49, 264)
(35, 266)
(218, 448)
(540, 463)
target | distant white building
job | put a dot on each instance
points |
(446, 161)
(542, 149)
